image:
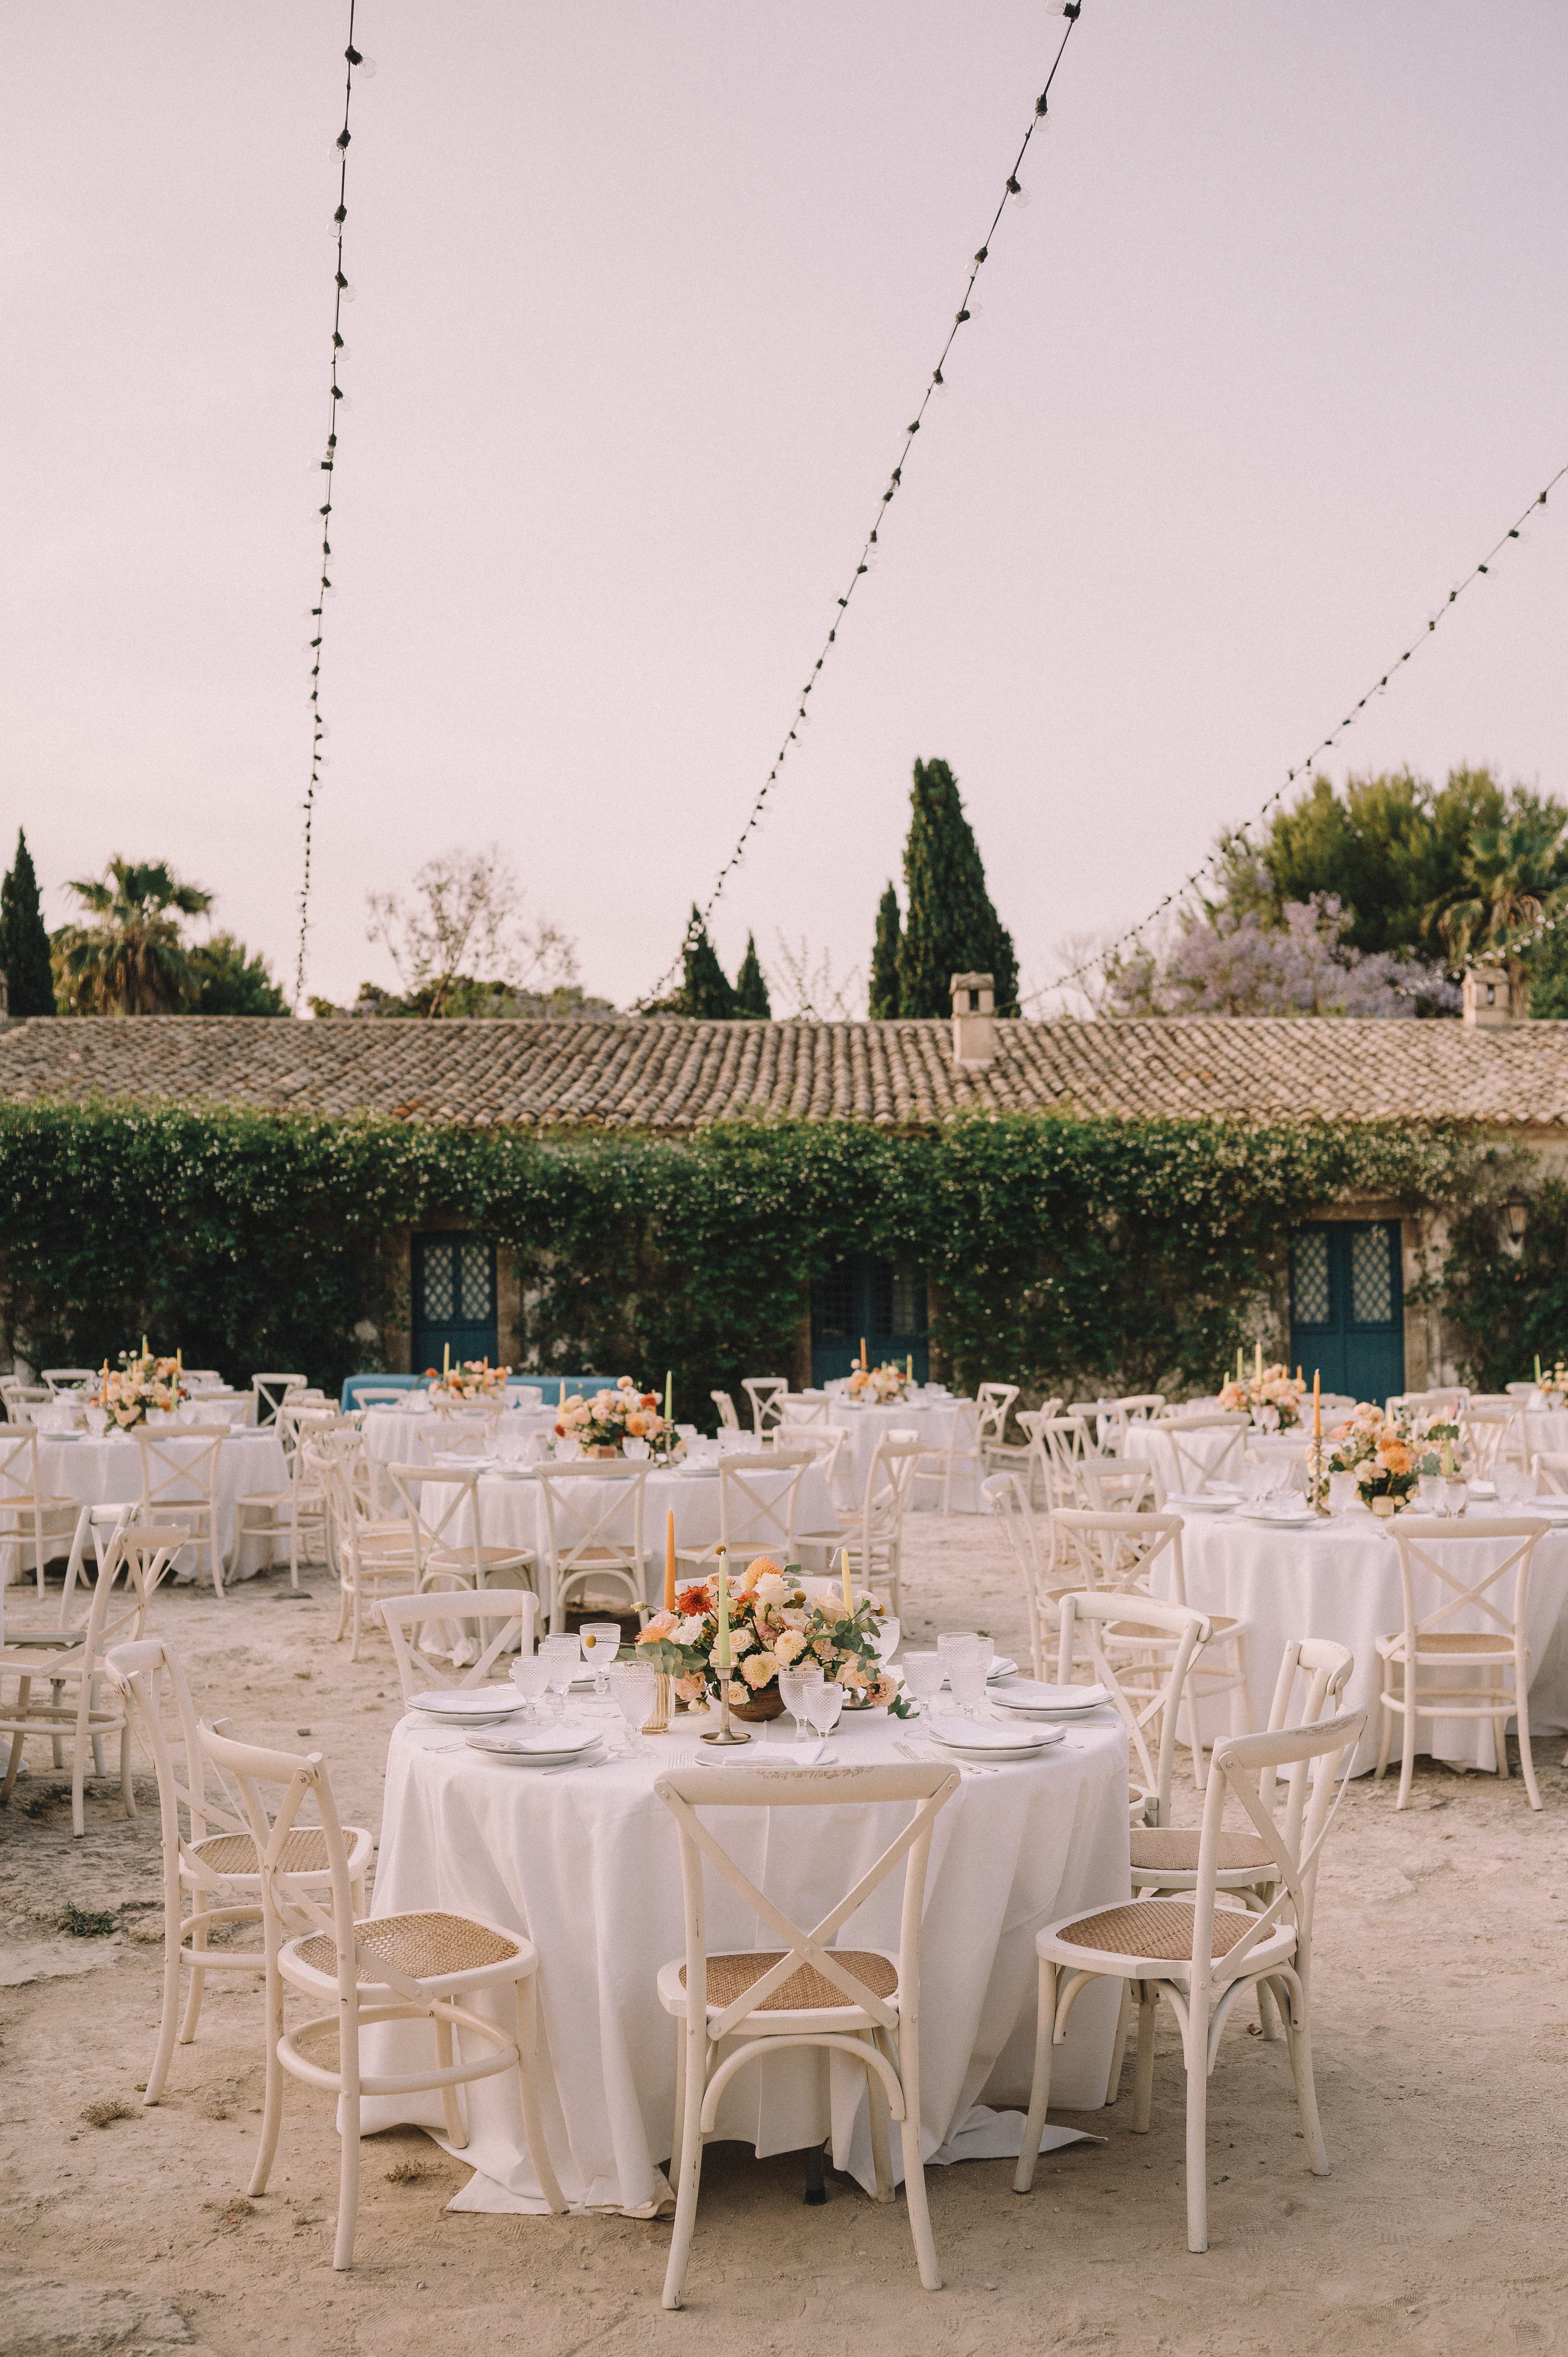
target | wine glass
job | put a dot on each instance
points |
(794, 1685)
(531, 1675)
(987, 1652)
(956, 1645)
(824, 1703)
(601, 1643)
(966, 1677)
(562, 1657)
(885, 1636)
(923, 1674)
(634, 1688)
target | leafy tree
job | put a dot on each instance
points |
(705, 990)
(460, 995)
(132, 960)
(884, 1004)
(467, 906)
(1236, 963)
(23, 941)
(951, 926)
(1515, 873)
(751, 999)
(227, 980)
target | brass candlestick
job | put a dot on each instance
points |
(1319, 1503)
(725, 1732)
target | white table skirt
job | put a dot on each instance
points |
(866, 1425)
(587, 1865)
(512, 1511)
(1341, 1580)
(1546, 1429)
(108, 1472)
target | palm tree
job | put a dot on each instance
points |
(1515, 873)
(132, 960)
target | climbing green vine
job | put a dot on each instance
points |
(1059, 1252)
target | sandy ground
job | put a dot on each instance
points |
(1442, 2033)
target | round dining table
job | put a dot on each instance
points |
(587, 1863)
(396, 1435)
(108, 1472)
(1340, 1579)
(931, 1420)
(1215, 1453)
(511, 1510)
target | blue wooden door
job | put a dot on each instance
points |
(885, 1301)
(454, 1300)
(1347, 1305)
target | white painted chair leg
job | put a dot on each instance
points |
(1407, 1755)
(272, 2102)
(1526, 1758)
(915, 2197)
(881, 2143)
(1119, 2049)
(528, 2089)
(196, 1931)
(1197, 2135)
(451, 2110)
(691, 2163)
(1144, 2076)
(1040, 2085)
(1300, 2042)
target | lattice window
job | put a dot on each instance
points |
(1372, 1278)
(439, 1301)
(835, 1300)
(908, 1301)
(474, 1282)
(1309, 1277)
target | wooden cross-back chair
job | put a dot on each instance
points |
(757, 1513)
(29, 1516)
(767, 1395)
(418, 1967)
(1007, 1496)
(429, 1631)
(1141, 1652)
(1424, 1643)
(446, 1526)
(70, 1663)
(179, 1484)
(1202, 1958)
(804, 1992)
(270, 1390)
(581, 1504)
(1122, 1551)
(210, 1862)
(1196, 1468)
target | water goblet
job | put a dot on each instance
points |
(601, 1643)
(824, 1703)
(1455, 1495)
(923, 1674)
(634, 1688)
(987, 1652)
(531, 1676)
(966, 1677)
(885, 1636)
(792, 1694)
(1257, 1480)
(1341, 1492)
(952, 1642)
(562, 1657)
(1430, 1488)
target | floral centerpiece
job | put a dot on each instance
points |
(1554, 1388)
(772, 1625)
(602, 1425)
(140, 1382)
(879, 1386)
(467, 1379)
(1271, 1397)
(1383, 1452)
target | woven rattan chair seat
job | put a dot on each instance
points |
(805, 1991)
(447, 1558)
(1172, 1849)
(1161, 1928)
(423, 1946)
(303, 1849)
(1434, 1643)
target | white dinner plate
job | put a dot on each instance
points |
(972, 1738)
(470, 1706)
(698, 1472)
(511, 1472)
(1048, 1702)
(1302, 1522)
(47, 1437)
(539, 1748)
(1185, 1505)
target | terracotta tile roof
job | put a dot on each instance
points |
(671, 1075)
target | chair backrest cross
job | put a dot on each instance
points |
(583, 1503)
(496, 1623)
(1145, 1684)
(767, 1395)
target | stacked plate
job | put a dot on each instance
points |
(1295, 1519)
(1205, 1505)
(470, 1706)
(542, 1747)
(982, 1738)
(1029, 1701)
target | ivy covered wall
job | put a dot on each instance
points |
(1068, 1255)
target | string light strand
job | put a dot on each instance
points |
(1014, 191)
(1481, 570)
(341, 293)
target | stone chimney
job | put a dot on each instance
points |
(973, 1019)
(1490, 999)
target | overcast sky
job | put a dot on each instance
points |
(645, 296)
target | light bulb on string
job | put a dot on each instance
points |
(1018, 193)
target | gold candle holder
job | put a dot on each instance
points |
(724, 1732)
(658, 1723)
(1319, 1498)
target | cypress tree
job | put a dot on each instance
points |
(750, 986)
(884, 1004)
(950, 924)
(24, 940)
(705, 990)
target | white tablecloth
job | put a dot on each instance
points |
(513, 1513)
(108, 1472)
(588, 1866)
(1547, 1429)
(933, 1421)
(1342, 1580)
(1217, 1452)
(395, 1438)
